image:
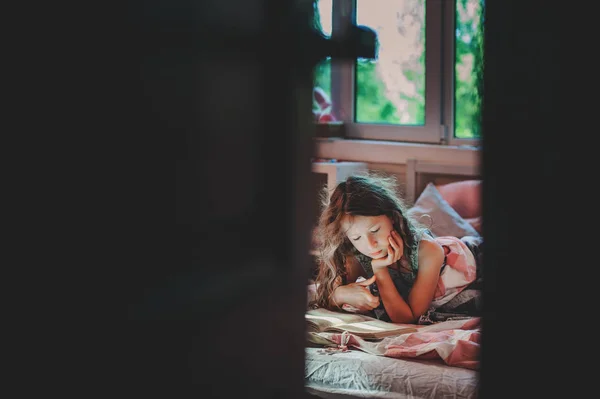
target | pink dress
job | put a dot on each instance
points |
(458, 271)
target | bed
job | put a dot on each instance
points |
(441, 362)
(357, 374)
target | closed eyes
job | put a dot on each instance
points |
(372, 231)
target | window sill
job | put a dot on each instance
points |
(394, 152)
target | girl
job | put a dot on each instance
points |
(365, 231)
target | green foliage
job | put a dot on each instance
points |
(322, 76)
(468, 93)
(371, 105)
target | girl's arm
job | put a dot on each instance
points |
(431, 259)
(355, 294)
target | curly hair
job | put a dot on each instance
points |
(369, 194)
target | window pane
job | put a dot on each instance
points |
(322, 74)
(391, 89)
(468, 69)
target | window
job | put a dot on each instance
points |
(426, 83)
(322, 108)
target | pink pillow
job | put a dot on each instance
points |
(432, 210)
(464, 197)
(476, 223)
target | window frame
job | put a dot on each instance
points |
(440, 27)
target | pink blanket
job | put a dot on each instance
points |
(455, 342)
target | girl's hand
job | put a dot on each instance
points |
(356, 295)
(394, 252)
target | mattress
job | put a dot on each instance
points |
(357, 374)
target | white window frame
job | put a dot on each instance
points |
(439, 81)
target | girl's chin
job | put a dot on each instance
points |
(383, 254)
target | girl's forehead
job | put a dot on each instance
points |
(357, 222)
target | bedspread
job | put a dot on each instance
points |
(455, 342)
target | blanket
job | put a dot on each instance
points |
(455, 342)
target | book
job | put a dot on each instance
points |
(324, 320)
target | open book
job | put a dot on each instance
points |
(324, 320)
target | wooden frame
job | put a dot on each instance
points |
(415, 170)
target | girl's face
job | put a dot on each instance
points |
(369, 234)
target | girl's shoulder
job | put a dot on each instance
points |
(427, 239)
(430, 248)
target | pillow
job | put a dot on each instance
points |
(463, 196)
(445, 221)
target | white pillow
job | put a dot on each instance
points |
(445, 221)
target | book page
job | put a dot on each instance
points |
(327, 320)
(325, 317)
(375, 328)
